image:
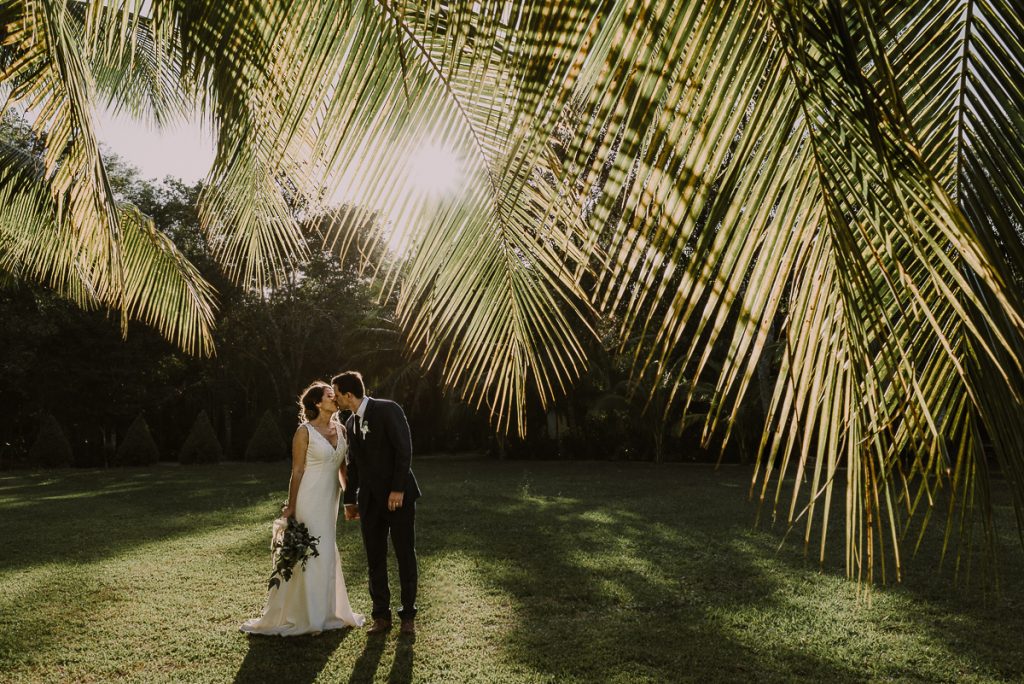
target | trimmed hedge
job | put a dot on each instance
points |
(138, 447)
(201, 445)
(267, 442)
(51, 448)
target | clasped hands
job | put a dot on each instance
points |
(395, 501)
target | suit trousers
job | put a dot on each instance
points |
(378, 523)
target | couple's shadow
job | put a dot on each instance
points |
(368, 663)
(300, 659)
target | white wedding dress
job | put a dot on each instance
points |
(316, 599)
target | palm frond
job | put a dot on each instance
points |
(144, 80)
(61, 223)
(32, 245)
(966, 113)
(50, 75)
(780, 173)
(485, 292)
(162, 288)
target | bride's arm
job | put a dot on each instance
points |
(343, 469)
(299, 443)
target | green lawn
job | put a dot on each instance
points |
(554, 572)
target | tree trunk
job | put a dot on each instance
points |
(226, 433)
(109, 442)
(765, 385)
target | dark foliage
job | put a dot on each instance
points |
(267, 442)
(137, 447)
(326, 317)
(51, 448)
(201, 445)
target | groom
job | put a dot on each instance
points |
(381, 494)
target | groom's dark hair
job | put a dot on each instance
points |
(349, 381)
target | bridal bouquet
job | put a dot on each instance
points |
(290, 544)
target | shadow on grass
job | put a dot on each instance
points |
(108, 512)
(298, 659)
(614, 579)
(637, 574)
(69, 518)
(611, 572)
(958, 610)
(962, 610)
(401, 666)
(368, 662)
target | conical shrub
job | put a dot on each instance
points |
(201, 445)
(267, 443)
(51, 448)
(138, 447)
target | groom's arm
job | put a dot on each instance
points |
(401, 440)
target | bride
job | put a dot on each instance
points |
(314, 599)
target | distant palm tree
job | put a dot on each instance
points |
(844, 176)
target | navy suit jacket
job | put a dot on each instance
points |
(380, 455)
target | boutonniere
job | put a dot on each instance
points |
(364, 428)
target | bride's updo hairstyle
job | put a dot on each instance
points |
(311, 396)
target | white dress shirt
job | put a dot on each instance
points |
(361, 411)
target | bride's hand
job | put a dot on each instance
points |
(287, 511)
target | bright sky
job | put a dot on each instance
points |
(432, 173)
(185, 151)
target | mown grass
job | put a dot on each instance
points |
(548, 572)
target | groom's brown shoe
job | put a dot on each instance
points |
(408, 626)
(379, 626)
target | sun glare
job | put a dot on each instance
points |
(408, 195)
(434, 170)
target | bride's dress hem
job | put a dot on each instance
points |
(248, 627)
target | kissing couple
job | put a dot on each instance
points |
(369, 460)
